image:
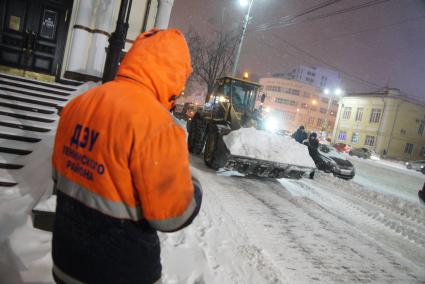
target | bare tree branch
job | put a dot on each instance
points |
(212, 56)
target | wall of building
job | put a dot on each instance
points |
(294, 104)
(92, 22)
(399, 124)
(321, 78)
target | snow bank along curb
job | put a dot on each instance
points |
(253, 143)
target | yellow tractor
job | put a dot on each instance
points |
(230, 106)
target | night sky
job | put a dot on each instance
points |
(372, 47)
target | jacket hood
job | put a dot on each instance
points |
(159, 60)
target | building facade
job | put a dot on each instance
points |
(386, 122)
(321, 78)
(57, 39)
(294, 103)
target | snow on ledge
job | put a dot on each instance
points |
(253, 143)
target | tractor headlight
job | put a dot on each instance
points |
(271, 124)
(223, 99)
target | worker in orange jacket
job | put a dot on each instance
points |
(121, 169)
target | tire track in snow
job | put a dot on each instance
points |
(340, 248)
(390, 227)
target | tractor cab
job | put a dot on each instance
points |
(232, 99)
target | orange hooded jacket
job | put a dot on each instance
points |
(117, 148)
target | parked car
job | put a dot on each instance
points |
(421, 194)
(342, 147)
(364, 153)
(416, 165)
(331, 161)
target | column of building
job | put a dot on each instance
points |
(90, 34)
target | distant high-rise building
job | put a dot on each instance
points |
(319, 77)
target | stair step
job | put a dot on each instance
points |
(20, 152)
(25, 100)
(10, 166)
(24, 127)
(27, 117)
(7, 183)
(26, 80)
(35, 88)
(25, 92)
(27, 108)
(19, 138)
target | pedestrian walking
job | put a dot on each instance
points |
(300, 135)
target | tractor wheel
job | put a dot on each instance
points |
(195, 139)
(215, 154)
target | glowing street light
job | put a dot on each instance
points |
(243, 3)
(337, 92)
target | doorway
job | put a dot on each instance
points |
(33, 34)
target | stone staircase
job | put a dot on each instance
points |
(28, 119)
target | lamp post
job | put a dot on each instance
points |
(336, 92)
(245, 24)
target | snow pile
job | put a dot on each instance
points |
(250, 142)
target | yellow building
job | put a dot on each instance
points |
(385, 121)
(294, 104)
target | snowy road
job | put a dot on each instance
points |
(389, 178)
(324, 230)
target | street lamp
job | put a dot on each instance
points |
(243, 3)
(337, 92)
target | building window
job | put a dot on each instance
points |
(422, 153)
(320, 122)
(304, 105)
(311, 120)
(403, 131)
(370, 140)
(334, 102)
(408, 149)
(289, 115)
(294, 92)
(347, 113)
(359, 114)
(355, 138)
(322, 110)
(342, 135)
(421, 128)
(313, 109)
(306, 95)
(276, 89)
(325, 100)
(285, 101)
(375, 115)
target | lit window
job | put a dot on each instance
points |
(342, 135)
